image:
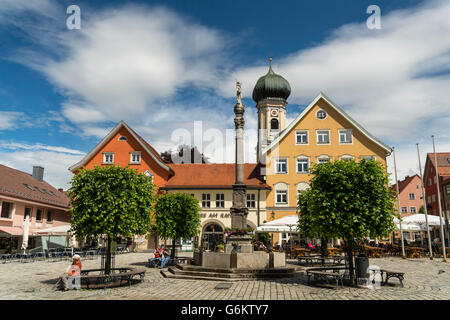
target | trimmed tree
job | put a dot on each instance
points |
(111, 201)
(177, 215)
(348, 200)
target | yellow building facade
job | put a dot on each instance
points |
(322, 132)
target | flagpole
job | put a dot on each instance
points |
(444, 254)
(424, 204)
(398, 202)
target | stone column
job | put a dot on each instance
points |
(239, 210)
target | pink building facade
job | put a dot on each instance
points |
(23, 194)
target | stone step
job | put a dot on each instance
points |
(193, 268)
(218, 277)
(169, 275)
(236, 275)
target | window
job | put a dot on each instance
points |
(301, 137)
(433, 198)
(206, 200)
(49, 217)
(429, 199)
(447, 191)
(302, 165)
(281, 196)
(429, 182)
(108, 157)
(39, 215)
(323, 136)
(404, 210)
(220, 200)
(412, 209)
(412, 196)
(368, 157)
(251, 200)
(27, 213)
(149, 175)
(345, 136)
(6, 210)
(281, 166)
(302, 186)
(321, 114)
(274, 124)
(135, 157)
(123, 138)
(323, 159)
(347, 157)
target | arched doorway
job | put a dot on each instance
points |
(212, 235)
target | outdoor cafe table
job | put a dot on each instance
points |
(301, 252)
(334, 251)
(374, 252)
(414, 252)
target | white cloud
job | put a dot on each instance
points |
(9, 119)
(394, 81)
(37, 147)
(131, 64)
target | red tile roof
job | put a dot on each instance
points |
(13, 184)
(443, 160)
(402, 184)
(213, 175)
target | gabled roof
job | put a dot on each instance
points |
(321, 95)
(148, 148)
(13, 183)
(443, 160)
(402, 184)
(213, 176)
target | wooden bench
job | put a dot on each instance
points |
(324, 274)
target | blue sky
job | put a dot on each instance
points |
(161, 65)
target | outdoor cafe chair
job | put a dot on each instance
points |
(4, 258)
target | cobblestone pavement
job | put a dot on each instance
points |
(34, 280)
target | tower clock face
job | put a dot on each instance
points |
(274, 112)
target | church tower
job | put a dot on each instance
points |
(270, 94)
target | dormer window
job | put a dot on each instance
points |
(149, 175)
(123, 138)
(108, 157)
(135, 157)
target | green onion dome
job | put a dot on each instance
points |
(271, 85)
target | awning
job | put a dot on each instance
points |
(60, 230)
(286, 224)
(12, 231)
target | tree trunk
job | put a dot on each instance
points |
(172, 254)
(108, 257)
(324, 247)
(349, 247)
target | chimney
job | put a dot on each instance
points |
(61, 190)
(38, 173)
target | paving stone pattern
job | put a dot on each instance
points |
(424, 280)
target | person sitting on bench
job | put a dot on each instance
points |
(165, 257)
(157, 259)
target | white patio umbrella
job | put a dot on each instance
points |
(281, 225)
(26, 230)
(419, 218)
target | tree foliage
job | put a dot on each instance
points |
(349, 200)
(112, 201)
(177, 216)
